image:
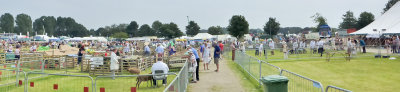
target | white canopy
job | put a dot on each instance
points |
(100, 39)
(202, 36)
(389, 21)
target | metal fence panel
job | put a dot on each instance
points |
(10, 81)
(180, 83)
(41, 82)
(335, 89)
(298, 83)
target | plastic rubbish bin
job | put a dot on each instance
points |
(275, 83)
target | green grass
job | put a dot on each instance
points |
(363, 73)
(247, 82)
(77, 84)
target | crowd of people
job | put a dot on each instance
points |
(300, 45)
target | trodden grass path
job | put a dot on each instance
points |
(225, 80)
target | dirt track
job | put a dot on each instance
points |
(222, 81)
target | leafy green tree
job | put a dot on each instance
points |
(365, 19)
(50, 24)
(78, 30)
(156, 27)
(318, 18)
(132, 29)
(170, 31)
(238, 26)
(120, 35)
(271, 27)
(389, 5)
(349, 21)
(192, 29)
(7, 23)
(24, 24)
(103, 32)
(215, 30)
(145, 30)
(38, 25)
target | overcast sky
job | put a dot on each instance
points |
(98, 13)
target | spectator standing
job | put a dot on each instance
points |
(160, 50)
(217, 53)
(146, 50)
(80, 53)
(221, 46)
(320, 45)
(114, 64)
(285, 51)
(295, 46)
(196, 54)
(206, 56)
(312, 46)
(272, 46)
(17, 52)
(362, 44)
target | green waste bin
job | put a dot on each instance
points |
(275, 83)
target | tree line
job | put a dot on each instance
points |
(238, 26)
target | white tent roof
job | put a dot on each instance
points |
(389, 21)
(202, 36)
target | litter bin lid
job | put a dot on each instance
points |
(274, 79)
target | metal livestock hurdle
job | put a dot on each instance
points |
(42, 82)
(121, 83)
(180, 83)
(335, 89)
(11, 81)
(298, 83)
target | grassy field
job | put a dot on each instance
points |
(46, 83)
(246, 81)
(363, 73)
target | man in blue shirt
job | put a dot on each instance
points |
(362, 44)
(160, 50)
(146, 50)
(197, 60)
(217, 53)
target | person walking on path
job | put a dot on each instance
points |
(217, 53)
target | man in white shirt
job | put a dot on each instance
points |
(295, 46)
(159, 65)
(272, 46)
(312, 46)
(320, 45)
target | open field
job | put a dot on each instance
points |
(363, 73)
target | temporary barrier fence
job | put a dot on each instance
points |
(58, 82)
(296, 82)
(180, 83)
(300, 83)
(123, 83)
(10, 80)
(335, 89)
